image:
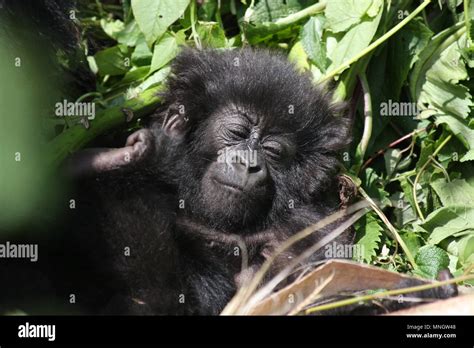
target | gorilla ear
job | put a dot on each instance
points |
(175, 123)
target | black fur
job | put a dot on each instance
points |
(190, 250)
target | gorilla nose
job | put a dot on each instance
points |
(249, 174)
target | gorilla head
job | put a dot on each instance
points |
(254, 137)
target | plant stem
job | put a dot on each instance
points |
(368, 116)
(467, 20)
(196, 38)
(77, 136)
(297, 16)
(393, 144)
(387, 293)
(422, 169)
(376, 43)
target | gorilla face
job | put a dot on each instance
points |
(243, 151)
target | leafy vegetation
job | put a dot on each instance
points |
(404, 64)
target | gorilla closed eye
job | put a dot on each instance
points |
(274, 149)
(239, 131)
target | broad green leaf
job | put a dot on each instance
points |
(392, 158)
(312, 41)
(154, 17)
(113, 61)
(407, 188)
(403, 213)
(447, 222)
(130, 34)
(155, 79)
(164, 51)
(142, 54)
(125, 34)
(463, 131)
(208, 10)
(354, 41)
(466, 250)
(455, 193)
(262, 21)
(271, 10)
(430, 261)
(112, 27)
(211, 35)
(343, 14)
(412, 241)
(374, 187)
(369, 232)
(299, 57)
(403, 52)
(435, 80)
(134, 75)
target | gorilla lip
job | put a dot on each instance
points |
(228, 185)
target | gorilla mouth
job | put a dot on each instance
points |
(228, 185)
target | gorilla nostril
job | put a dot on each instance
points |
(254, 169)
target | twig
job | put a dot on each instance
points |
(422, 169)
(387, 293)
(196, 37)
(364, 143)
(393, 144)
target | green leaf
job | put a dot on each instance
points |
(436, 76)
(374, 187)
(164, 51)
(134, 75)
(130, 34)
(312, 41)
(455, 193)
(354, 41)
(299, 57)
(392, 158)
(463, 131)
(155, 79)
(268, 17)
(431, 260)
(343, 14)
(124, 34)
(448, 222)
(369, 232)
(412, 241)
(142, 54)
(403, 52)
(113, 61)
(211, 34)
(466, 250)
(154, 17)
(271, 10)
(403, 212)
(112, 27)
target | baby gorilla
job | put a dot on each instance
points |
(241, 155)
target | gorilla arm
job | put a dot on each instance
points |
(138, 147)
